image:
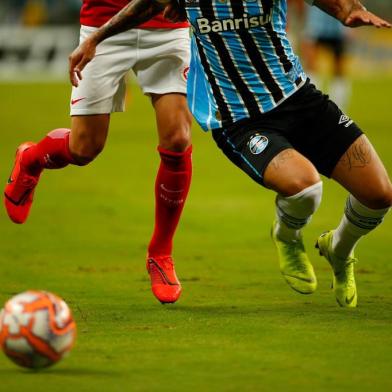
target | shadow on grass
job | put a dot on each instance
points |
(305, 310)
(67, 372)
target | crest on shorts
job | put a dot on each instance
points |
(257, 144)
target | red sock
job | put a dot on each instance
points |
(52, 152)
(171, 189)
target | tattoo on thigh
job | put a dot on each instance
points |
(358, 155)
(282, 158)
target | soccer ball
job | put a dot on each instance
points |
(36, 329)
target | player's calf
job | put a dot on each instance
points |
(83, 154)
(358, 220)
(88, 137)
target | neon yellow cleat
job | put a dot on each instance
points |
(343, 283)
(295, 265)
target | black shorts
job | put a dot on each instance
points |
(308, 122)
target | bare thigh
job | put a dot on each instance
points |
(361, 171)
(289, 173)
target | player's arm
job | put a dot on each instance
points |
(350, 12)
(132, 15)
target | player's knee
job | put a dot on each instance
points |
(301, 205)
(299, 184)
(178, 139)
(310, 197)
(380, 198)
(83, 154)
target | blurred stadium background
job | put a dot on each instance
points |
(237, 325)
(36, 37)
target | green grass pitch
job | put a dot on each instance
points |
(238, 326)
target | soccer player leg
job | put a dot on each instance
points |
(100, 92)
(60, 147)
(362, 173)
(161, 72)
(175, 170)
(171, 189)
(56, 150)
(268, 158)
(299, 192)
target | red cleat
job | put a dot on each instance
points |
(164, 282)
(19, 191)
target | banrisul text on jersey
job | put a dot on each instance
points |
(205, 26)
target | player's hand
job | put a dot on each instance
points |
(79, 58)
(362, 17)
(174, 12)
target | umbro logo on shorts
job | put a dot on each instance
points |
(345, 120)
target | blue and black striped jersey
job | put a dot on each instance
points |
(242, 63)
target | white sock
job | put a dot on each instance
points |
(294, 212)
(357, 221)
(340, 92)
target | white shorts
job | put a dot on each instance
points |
(158, 57)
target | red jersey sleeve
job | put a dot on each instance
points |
(95, 13)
